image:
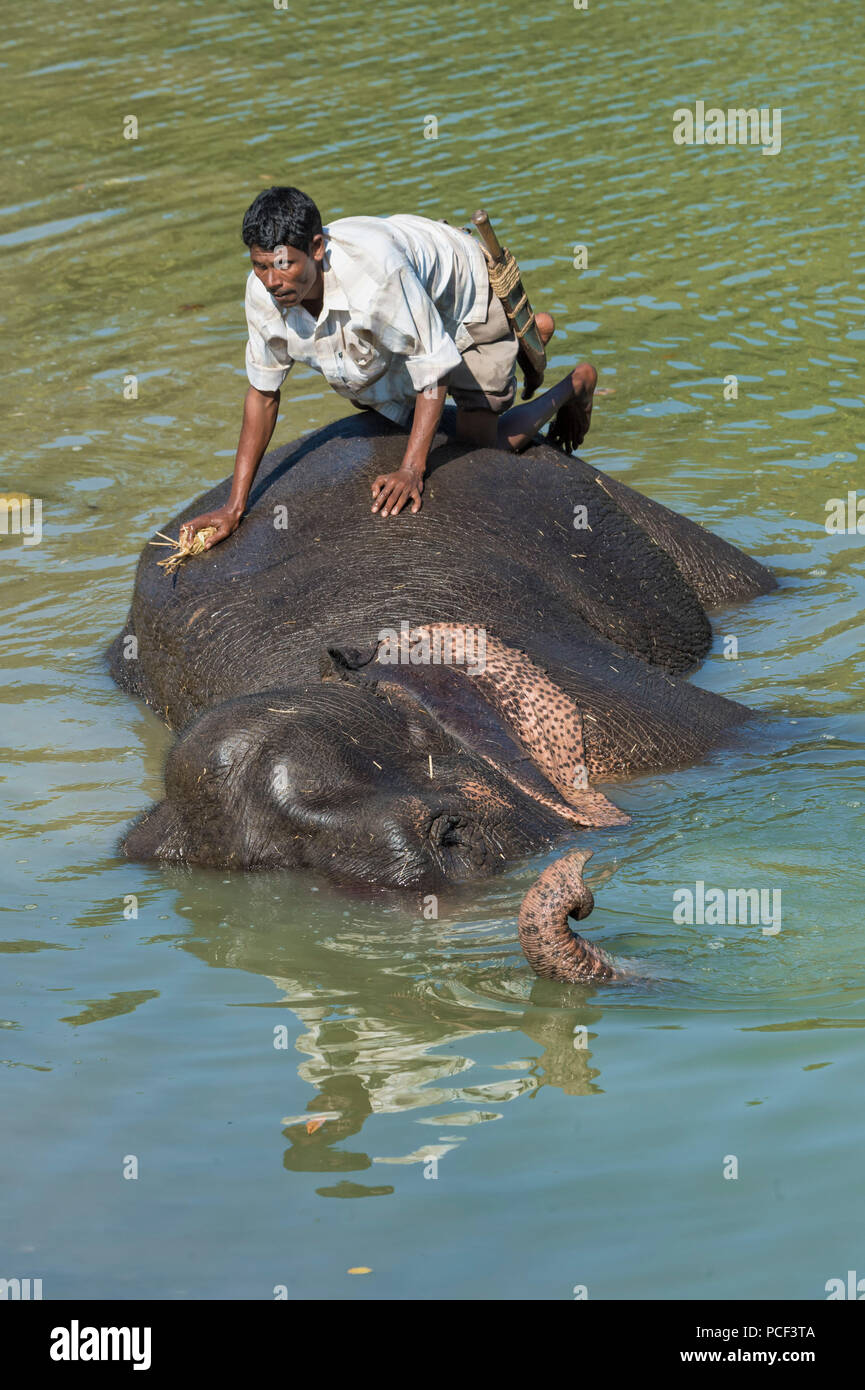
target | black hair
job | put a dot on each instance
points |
(281, 217)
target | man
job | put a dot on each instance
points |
(395, 312)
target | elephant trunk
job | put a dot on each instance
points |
(552, 949)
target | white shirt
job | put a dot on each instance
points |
(398, 294)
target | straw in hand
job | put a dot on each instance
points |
(183, 549)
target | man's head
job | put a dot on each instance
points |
(283, 231)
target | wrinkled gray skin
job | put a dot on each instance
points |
(276, 767)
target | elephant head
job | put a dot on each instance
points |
(401, 769)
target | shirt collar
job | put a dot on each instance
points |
(334, 296)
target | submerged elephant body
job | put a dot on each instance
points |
(319, 728)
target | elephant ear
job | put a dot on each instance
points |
(496, 702)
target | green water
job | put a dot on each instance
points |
(558, 1165)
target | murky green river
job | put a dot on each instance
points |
(158, 1038)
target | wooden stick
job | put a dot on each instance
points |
(531, 353)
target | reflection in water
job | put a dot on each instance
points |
(123, 1003)
(391, 1014)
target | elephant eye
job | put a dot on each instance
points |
(444, 830)
(458, 844)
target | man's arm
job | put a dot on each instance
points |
(391, 491)
(260, 411)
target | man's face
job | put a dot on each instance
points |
(288, 274)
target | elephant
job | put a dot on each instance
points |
(412, 703)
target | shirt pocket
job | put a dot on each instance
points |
(362, 361)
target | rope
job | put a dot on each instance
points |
(504, 276)
(504, 279)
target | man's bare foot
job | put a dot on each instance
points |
(546, 326)
(585, 379)
(571, 424)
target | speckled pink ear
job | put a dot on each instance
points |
(498, 704)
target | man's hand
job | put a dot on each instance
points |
(391, 491)
(260, 409)
(225, 519)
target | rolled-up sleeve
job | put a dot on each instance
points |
(267, 359)
(406, 321)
